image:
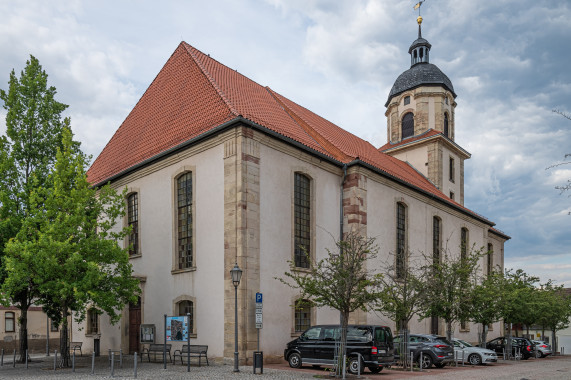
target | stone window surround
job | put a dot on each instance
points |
(186, 297)
(92, 322)
(9, 315)
(312, 182)
(182, 170)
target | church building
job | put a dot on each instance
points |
(221, 170)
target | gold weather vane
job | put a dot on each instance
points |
(419, 18)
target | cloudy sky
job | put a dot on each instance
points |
(509, 62)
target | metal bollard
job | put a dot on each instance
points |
(344, 361)
(411, 361)
(2, 359)
(93, 363)
(14, 361)
(26, 359)
(73, 362)
(55, 359)
(135, 366)
(463, 358)
(359, 366)
(121, 358)
(112, 364)
(420, 362)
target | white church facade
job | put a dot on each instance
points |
(221, 170)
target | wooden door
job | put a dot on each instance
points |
(134, 326)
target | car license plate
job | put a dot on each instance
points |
(382, 351)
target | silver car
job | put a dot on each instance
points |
(543, 348)
(472, 354)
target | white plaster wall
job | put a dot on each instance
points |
(417, 157)
(276, 248)
(161, 288)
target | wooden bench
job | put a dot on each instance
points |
(156, 349)
(73, 346)
(196, 351)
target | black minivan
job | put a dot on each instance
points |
(316, 346)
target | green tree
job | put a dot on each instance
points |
(27, 153)
(70, 246)
(340, 281)
(555, 309)
(447, 285)
(486, 302)
(566, 161)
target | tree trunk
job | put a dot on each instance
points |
(553, 342)
(23, 335)
(484, 335)
(403, 349)
(63, 342)
(449, 330)
(343, 346)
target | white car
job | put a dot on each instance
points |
(472, 354)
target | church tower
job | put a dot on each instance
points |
(421, 123)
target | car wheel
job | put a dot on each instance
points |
(376, 369)
(355, 365)
(538, 354)
(426, 361)
(440, 365)
(294, 360)
(474, 359)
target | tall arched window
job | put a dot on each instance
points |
(490, 263)
(184, 220)
(302, 316)
(436, 228)
(464, 243)
(446, 124)
(302, 220)
(401, 241)
(133, 220)
(407, 125)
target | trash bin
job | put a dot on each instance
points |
(96, 345)
(259, 361)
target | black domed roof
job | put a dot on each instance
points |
(419, 42)
(421, 74)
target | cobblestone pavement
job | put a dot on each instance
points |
(554, 368)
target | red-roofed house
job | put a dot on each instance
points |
(221, 170)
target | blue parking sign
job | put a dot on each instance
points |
(258, 297)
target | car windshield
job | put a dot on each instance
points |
(464, 343)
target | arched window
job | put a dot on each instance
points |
(133, 220)
(186, 307)
(407, 125)
(490, 263)
(446, 124)
(302, 316)
(302, 220)
(464, 243)
(436, 232)
(401, 241)
(184, 220)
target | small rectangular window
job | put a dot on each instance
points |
(53, 326)
(451, 169)
(9, 319)
(406, 100)
(302, 315)
(92, 321)
(452, 195)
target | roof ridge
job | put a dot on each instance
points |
(210, 79)
(319, 138)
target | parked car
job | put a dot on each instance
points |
(317, 346)
(543, 349)
(472, 354)
(520, 346)
(435, 349)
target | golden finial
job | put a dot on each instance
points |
(419, 20)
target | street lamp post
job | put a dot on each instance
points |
(236, 274)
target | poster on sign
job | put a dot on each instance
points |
(177, 328)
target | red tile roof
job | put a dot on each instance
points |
(193, 94)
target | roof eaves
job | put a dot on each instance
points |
(398, 146)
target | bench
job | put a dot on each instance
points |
(156, 349)
(73, 346)
(196, 351)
